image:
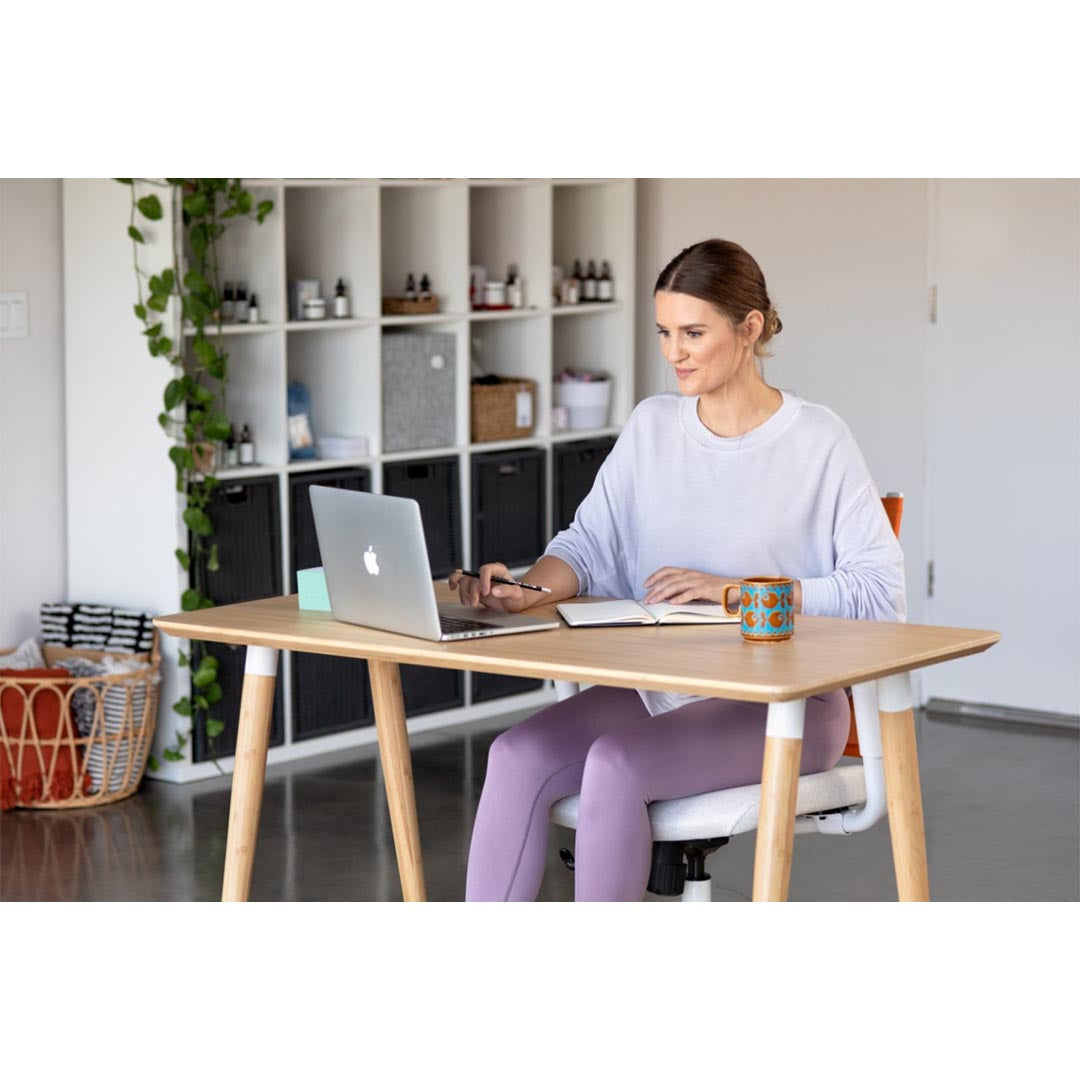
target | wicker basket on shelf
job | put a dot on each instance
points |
(68, 741)
(399, 305)
(495, 411)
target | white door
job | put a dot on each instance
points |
(1004, 438)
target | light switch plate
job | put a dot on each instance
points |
(14, 315)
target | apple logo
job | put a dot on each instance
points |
(371, 561)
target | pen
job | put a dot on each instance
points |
(507, 581)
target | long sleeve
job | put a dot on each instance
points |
(595, 545)
(868, 582)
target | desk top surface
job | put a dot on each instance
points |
(711, 661)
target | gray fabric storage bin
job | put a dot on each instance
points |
(418, 399)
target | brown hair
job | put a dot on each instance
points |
(726, 276)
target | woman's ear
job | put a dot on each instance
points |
(752, 325)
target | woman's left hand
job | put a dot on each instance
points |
(676, 585)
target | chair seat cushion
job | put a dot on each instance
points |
(735, 810)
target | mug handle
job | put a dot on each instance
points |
(724, 596)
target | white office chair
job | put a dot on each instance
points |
(845, 800)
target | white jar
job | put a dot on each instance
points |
(586, 402)
(315, 308)
(495, 293)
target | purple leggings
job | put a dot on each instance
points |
(603, 743)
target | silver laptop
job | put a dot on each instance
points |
(378, 573)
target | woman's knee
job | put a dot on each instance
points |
(612, 766)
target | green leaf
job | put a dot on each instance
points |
(153, 330)
(152, 763)
(217, 427)
(195, 282)
(198, 522)
(244, 202)
(119, 181)
(205, 352)
(189, 599)
(174, 394)
(206, 603)
(184, 559)
(140, 311)
(135, 235)
(182, 708)
(173, 755)
(196, 205)
(150, 207)
(212, 564)
(182, 458)
(202, 394)
(163, 419)
(204, 677)
(198, 309)
(264, 208)
(154, 346)
(196, 415)
(165, 345)
(201, 703)
(213, 693)
(199, 237)
(168, 280)
(214, 727)
(158, 303)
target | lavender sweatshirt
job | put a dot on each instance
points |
(792, 497)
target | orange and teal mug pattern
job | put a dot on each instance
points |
(767, 605)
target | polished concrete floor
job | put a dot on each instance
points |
(1002, 806)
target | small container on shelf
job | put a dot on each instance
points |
(586, 395)
(424, 302)
(502, 408)
(343, 446)
(300, 290)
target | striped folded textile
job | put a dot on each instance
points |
(95, 626)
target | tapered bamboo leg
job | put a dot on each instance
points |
(249, 772)
(779, 788)
(902, 789)
(397, 771)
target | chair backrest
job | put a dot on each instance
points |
(894, 510)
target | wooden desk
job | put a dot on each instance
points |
(709, 661)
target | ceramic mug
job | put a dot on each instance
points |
(767, 605)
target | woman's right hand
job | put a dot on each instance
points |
(480, 592)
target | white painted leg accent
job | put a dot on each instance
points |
(261, 661)
(564, 690)
(894, 694)
(786, 719)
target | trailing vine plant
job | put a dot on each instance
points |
(194, 412)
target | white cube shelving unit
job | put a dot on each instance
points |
(371, 233)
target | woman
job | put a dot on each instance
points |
(731, 479)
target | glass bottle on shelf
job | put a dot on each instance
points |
(240, 306)
(425, 287)
(247, 447)
(605, 289)
(410, 288)
(341, 301)
(227, 303)
(579, 277)
(589, 291)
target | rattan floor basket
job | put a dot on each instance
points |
(51, 763)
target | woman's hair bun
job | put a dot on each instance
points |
(773, 323)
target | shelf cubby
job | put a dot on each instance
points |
(332, 233)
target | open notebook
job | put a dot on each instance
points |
(631, 613)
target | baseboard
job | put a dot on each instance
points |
(944, 709)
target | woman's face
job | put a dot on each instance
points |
(699, 342)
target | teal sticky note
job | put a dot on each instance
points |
(312, 587)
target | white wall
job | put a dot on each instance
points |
(33, 543)
(845, 262)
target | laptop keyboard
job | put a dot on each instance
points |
(452, 625)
